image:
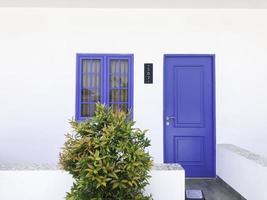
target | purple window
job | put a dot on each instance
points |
(104, 78)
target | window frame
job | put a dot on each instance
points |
(105, 79)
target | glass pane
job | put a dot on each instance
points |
(95, 96)
(124, 107)
(97, 80)
(91, 77)
(124, 67)
(96, 84)
(85, 110)
(119, 80)
(86, 66)
(114, 76)
(124, 74)
(115, 107)
(124, 82)
(98, 69)
(95, 66)
(91, 86)
(114, 81)
(93, 108)
(113, 64)
(93, 80)
(124, 95)
(85, 95)
(114, 96)
(86, 81)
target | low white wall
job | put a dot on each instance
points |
(244, 171)
(167, 185)
(53, 185)
(34, 185)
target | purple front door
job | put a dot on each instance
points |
(189, 113)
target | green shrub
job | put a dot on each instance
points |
(107, 158)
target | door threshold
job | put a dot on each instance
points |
(210, 178)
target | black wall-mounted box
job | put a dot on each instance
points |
(148, 73)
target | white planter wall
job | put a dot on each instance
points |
(167, 184)
(53, 185)
(37, 71)
(32, 185)
(244, 171)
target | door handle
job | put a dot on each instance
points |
(168, 119)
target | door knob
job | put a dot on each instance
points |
(168, 119)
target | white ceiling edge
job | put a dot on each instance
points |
(157, 4)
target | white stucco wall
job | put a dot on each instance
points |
(53, 184)
(243, 171)
(37, 71)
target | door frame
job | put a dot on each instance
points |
(213, 101)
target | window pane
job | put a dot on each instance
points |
(95, 97)
(124, 73)
(93, 108)
(124, 95)
(113, 67)
(114, 78)
(95, 66)
(91, 73)
(119, 80)
(124, 82)
(98, 69)
(126, 67)
(114, 81)
(86, 66)
(86, 81)
(119, 73)
(114, 96)
(86, 70)
(85, 110)
(93, 80)
(98, 84)
(85, 95)
(115, 107)
(124, 107)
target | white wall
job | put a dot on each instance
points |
(31, 185)
(37, 71)
(53, 184)
(166, 184)
(243, 171)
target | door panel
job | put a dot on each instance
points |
(188, 104)
(189, 126)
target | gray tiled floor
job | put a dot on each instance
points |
(214, 189)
